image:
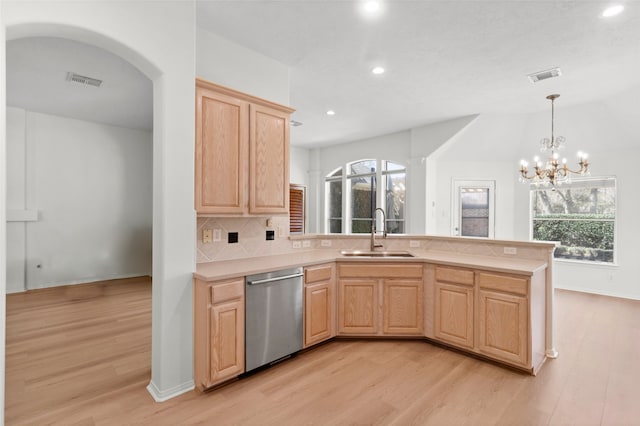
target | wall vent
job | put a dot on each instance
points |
(543, 75)
(88, 81)
(295, 123)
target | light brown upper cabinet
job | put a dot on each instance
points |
(242, 153)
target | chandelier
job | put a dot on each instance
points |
(552, 172)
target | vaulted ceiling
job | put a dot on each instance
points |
(443, 59)
(37, 70)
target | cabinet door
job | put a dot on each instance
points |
(221, 153)
(227, 340)
(318, 324)
(454, 314)
(358, 306)
(402, 307)
(503, 330)
(268, 161)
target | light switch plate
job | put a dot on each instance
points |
(217, 235)
(306, 243)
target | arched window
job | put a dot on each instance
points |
(352, 197)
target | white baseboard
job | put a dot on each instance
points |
(161, 396)
(89, 280)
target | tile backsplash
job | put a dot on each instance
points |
(251, 238)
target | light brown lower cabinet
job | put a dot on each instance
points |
(218, 331)
(503, 326)
(403, 311)
(358, 306)
(498, 315)
(454, 314)
(380, 299)
(319, 304)
(493, 314)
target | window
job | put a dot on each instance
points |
(473, 208)
(581, 215)
(366, 185)
(297, 202)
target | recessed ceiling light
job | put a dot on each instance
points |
(378, 70)
(612, 11)
(331, 112)
(372, 6)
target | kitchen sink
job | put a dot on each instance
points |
(360, 253)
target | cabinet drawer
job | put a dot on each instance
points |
(506, 283)
(227, 291)
(315, 274)
(452, 275)
(369, 270)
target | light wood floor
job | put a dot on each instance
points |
(80, 355)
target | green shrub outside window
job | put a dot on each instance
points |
(580, 215)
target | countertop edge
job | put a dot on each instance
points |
(221, 270)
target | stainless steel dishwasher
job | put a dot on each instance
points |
(273, 316)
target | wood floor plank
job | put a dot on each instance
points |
(80, 355)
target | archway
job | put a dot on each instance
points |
(138, 33)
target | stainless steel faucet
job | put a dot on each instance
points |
(373, 228)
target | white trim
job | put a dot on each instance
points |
(22, 215)
(456, 205)
(161, 396)
(89, 280)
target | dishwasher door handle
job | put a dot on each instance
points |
(270, 280)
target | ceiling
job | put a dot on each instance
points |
(443, 59)
(37, 81)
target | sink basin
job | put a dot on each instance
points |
(360, 253)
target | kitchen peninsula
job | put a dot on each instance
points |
(489, 298)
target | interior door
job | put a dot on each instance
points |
(473, 208)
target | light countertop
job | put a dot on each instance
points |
(224, 269)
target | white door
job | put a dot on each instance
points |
(473, 208)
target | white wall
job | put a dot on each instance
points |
(608, 130)
(426, 144)
(3, 210)
(394, 147)
(159, 39)
(91, 186)
(229, 64)
(411, 148)
(500, 172)
(491, 147)
(299, 165)
(16, 199)
(484, 150)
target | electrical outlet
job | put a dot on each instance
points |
(297, 244)
(325, 243)
(510, 250)
(306, 243)
(414, 244)
(270, 223)
(217, 235)
(207, 236)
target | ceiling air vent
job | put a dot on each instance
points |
(543, 75)
(295, 123)
(88, 81)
